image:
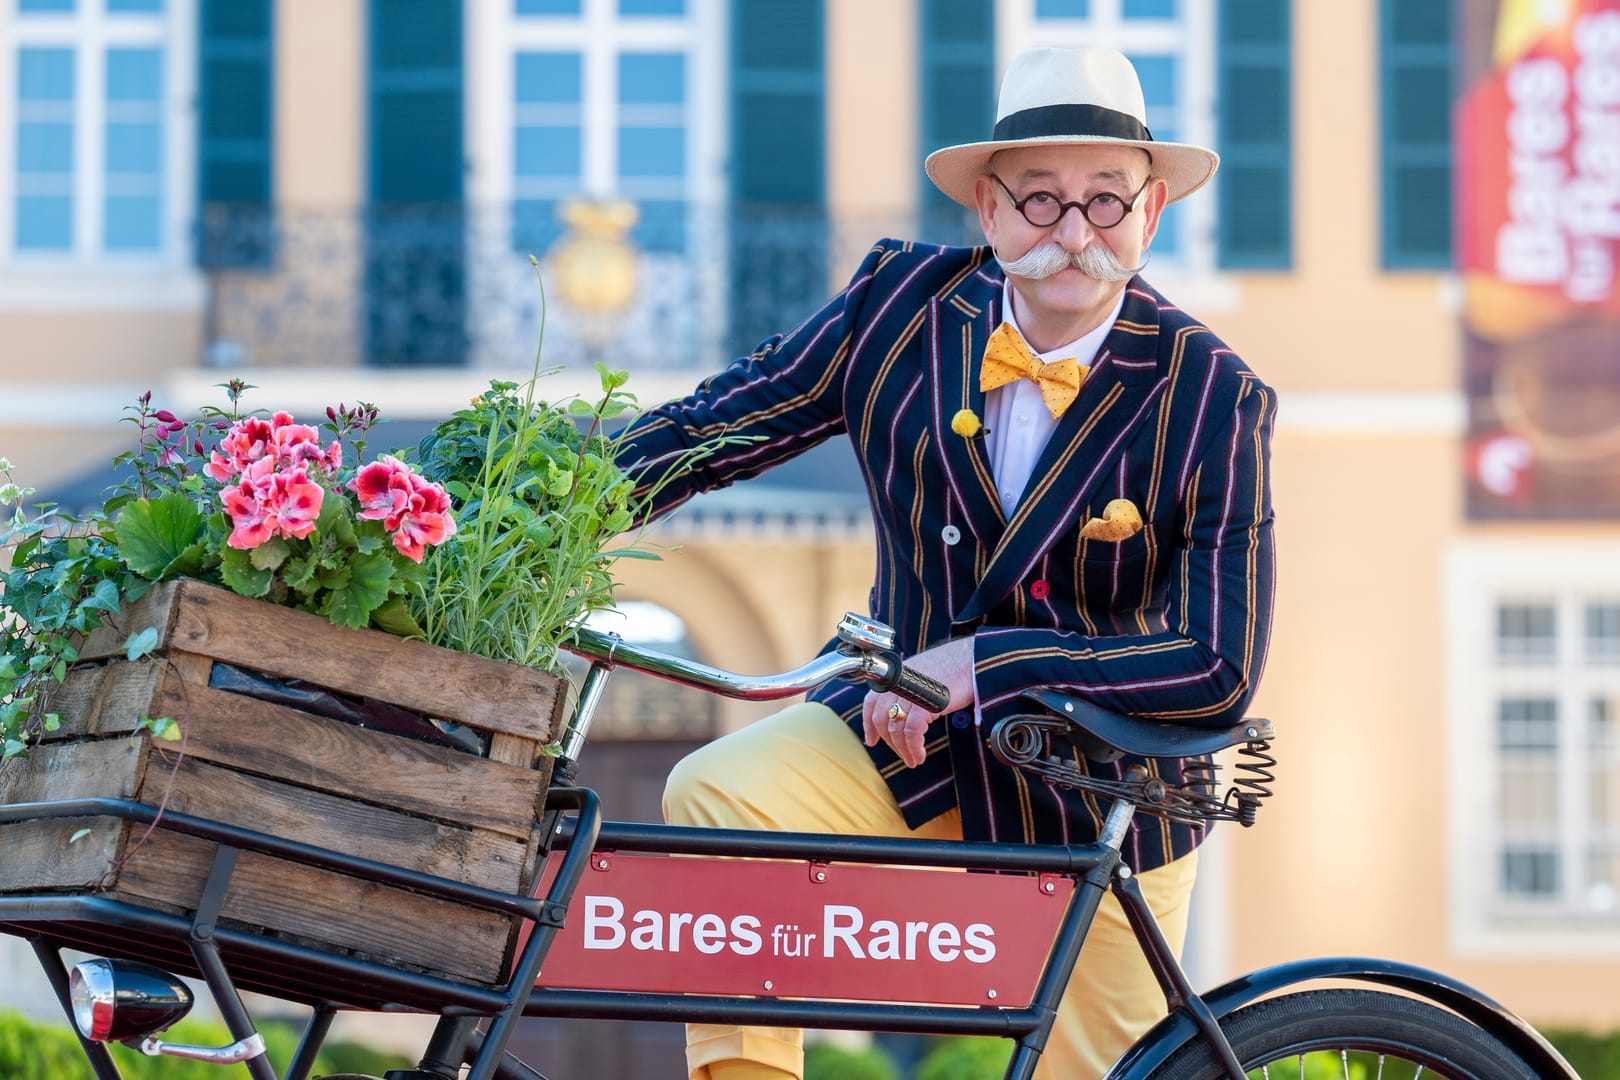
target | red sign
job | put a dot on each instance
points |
(662, 924)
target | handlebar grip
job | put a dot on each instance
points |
(919, 689)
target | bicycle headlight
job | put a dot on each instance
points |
(116, 1000)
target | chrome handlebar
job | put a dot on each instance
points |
(867, 652)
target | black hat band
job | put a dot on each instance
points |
(1048, 120)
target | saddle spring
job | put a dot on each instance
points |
(1253, 773)
(1047, 747)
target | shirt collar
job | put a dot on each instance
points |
(1083, 348)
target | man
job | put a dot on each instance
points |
(988, 484)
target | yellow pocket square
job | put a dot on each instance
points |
(1120, 521)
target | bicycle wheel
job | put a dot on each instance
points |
(1351, 1035)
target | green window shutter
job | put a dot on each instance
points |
(778, 236)
(416, 100)
(778, 128)
(1255, 95)
(416, 225)
(1415, 99)
(957, 70)
(234, 133)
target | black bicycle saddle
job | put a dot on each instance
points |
(1103, 735)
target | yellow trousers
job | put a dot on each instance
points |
(803, 770)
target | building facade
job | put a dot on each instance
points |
(338, 200)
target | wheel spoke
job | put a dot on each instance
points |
(1344, 1059)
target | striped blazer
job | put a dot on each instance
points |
(1171, 623)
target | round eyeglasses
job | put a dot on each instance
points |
(1043, 209)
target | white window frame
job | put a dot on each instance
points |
(495, 34)
(86, 276)
(1190, 37)
(1481, 576)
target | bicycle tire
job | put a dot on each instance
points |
(1288, 1036)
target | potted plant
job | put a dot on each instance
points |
(262, 627)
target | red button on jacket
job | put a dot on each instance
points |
(1039, 589)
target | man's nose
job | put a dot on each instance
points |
(1072, 231)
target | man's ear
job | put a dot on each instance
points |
(1153, 204)
(984, 198)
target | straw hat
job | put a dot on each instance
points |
(1070, 97)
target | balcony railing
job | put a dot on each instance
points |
(453, 286)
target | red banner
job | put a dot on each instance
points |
(1537, 186)
(661, 924)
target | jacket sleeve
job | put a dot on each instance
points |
(1204, 666)
(776, 403)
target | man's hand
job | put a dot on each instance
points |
(950, 663)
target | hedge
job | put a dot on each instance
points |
(52, 1052)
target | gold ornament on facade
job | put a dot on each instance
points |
(594, 264)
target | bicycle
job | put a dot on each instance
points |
(784, 923)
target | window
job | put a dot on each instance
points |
(1535, 774)
(97, 100)
(1169, 42)
(596, 101)
(602, 107)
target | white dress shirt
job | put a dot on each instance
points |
(1018, 420)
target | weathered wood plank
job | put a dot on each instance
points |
(75, 702)
(128, 693)
(370, 832)
(513, 750)
(485, 693)
(325, 910)
(332, 756)
(57, 772)
(155, 608)
(39, 857)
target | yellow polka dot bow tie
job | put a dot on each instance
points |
(1007, 358)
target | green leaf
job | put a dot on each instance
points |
(611, 378)
(154, 534)
(270, 554)
(395, 618)
(240, 576)
(139, 644)
(52, 721)
(104, 598)
(352, 602)
(581, 407)
(299, 574)
(78, 834)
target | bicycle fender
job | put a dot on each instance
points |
(1178, 1029)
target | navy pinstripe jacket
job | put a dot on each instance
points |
(1171, 623)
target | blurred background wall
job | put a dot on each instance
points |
(338, 200)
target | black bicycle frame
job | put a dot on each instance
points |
(200, 947)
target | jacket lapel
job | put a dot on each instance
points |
(960, 322)
(1117, 396)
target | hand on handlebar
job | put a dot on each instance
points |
(951, 664)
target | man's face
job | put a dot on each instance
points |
(1071, 174)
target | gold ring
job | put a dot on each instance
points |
(897, 714)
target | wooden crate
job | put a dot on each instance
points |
(296, 775)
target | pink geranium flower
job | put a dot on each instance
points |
(416, 512)
(266, 503)
(287, 443)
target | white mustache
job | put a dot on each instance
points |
(1094, 260)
